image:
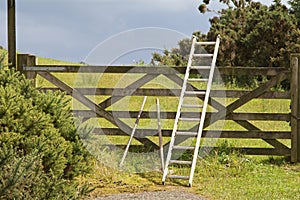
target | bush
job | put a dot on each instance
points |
(40, 153)
(255, 35)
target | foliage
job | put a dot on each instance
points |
(203, 8)
(255, 35)
(252, 35)
(295, 9)
(2, 57)
(41, 154)
(174, 57)
(177, 56)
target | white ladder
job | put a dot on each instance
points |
(184, 92)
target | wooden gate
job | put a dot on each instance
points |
(281, 142)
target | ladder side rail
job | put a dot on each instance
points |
(178, 110)
(200, 130)
(161, 148)
(133, 131)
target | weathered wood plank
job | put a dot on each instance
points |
(26, 59)
(106, 69)
(238, 94)
(247, 151)
(31, 60)
(171, 92)
(11, 33)
(91, 105)
(206, 134)
(22, 60)
(264, 71)
(265, 151)
(295, 107)
(260, 116)
(171, 115)
(252, 71)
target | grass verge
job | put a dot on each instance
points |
(224, 174)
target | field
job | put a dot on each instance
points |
(224, 174)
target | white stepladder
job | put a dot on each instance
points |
(182, 119)
(133, 131)
(135, 127)
(161, 149)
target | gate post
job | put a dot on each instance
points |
(11, 32)
(295, 107)
(27, 60)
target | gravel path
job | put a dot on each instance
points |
(165, 195)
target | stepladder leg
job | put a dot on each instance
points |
(133, 131)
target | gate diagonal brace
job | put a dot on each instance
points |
(94, 107)
(227, 111)
(250, 127)
(247, 97)
(295, 117)
(137, 84)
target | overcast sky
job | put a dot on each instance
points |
(70, 29)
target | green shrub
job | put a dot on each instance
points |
(40, 153)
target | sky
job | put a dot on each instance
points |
(70, 29)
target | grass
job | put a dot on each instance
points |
(4, 52)
(224, 174)
(232, 176)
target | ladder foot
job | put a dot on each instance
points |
(190, 185)
(163, 183)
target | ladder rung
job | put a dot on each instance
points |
(187, 133)
(203, 55)
(198, 79)
(200, 67)
(183, 147)
(195, 92)
(179, 177)
(191, 106)
(189, 119)
(206, 43)
(181, 162)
